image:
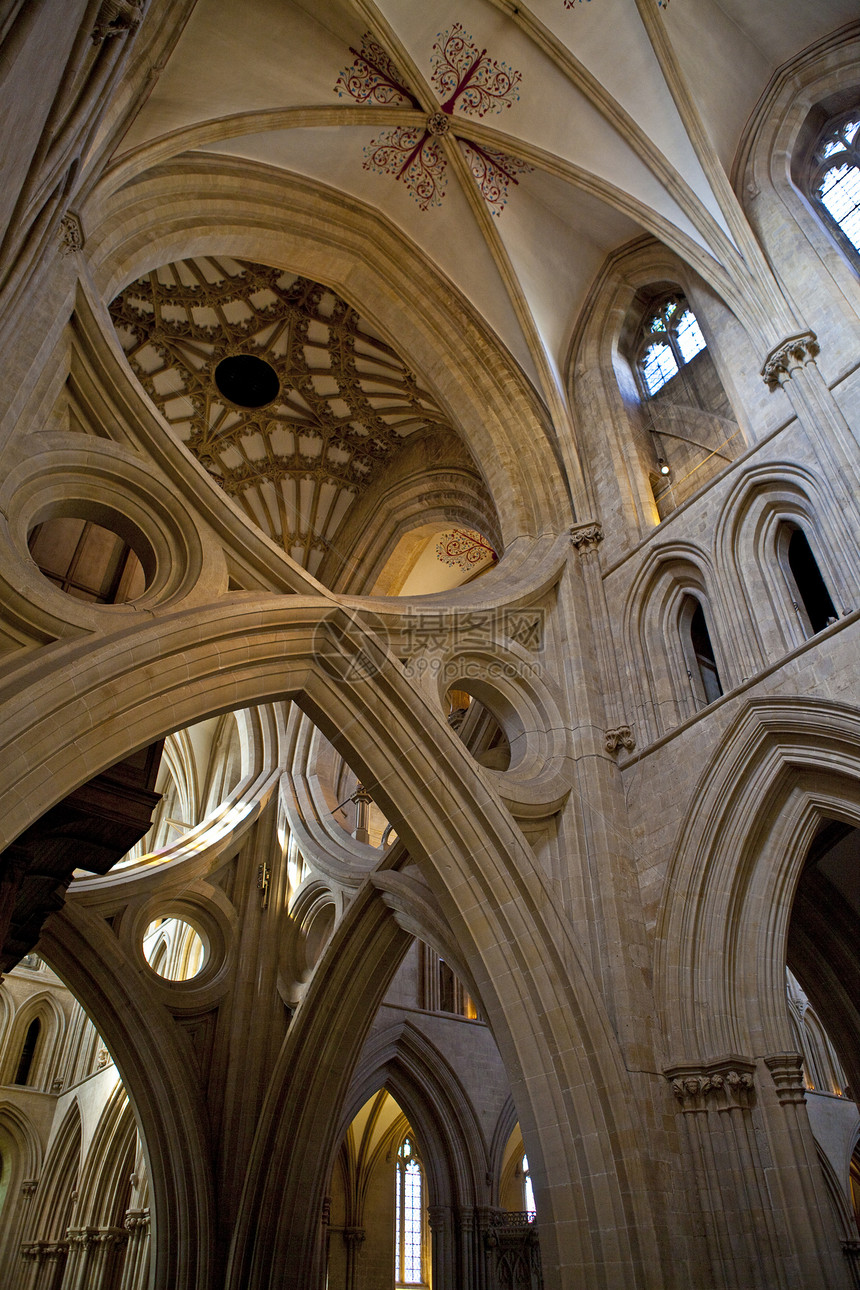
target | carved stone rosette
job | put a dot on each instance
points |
(620, 737)
(785, 358)
(585, 537)
(438, 123)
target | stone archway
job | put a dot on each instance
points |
(782, 767)
(553, 1033)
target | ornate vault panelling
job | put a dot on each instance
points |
(282, 392)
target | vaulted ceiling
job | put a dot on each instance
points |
(289, 399)
(514, 144)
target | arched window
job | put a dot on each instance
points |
(836, 176)
(28, 1051)
(528, 1190)
(670, 338)
(699, 653)
(410, 1237)
(809, 595)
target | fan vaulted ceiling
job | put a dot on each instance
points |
(293, 453)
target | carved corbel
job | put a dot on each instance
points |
(620, 737)
(116, 18)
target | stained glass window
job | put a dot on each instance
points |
(409, 1218)
(836, 180)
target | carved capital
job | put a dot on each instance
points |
(717, 1086)
(785, 358)
(585, 537)
(325, 1216)
(620, 737)
(437, 1216)
(353, 1236)
(28, 1187)
(44, 1250)
(71, 234)
(82, 1236)
(136, 1220)
(787, 1072)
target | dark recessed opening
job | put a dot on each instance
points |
(247, 380)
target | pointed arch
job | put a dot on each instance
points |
(419, 1078)
(550, 1024)
(21, 1151)
(782, 767)
(54, 1202)
(44, 1009)
(105, 1186)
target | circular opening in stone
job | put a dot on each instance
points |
(87, 560)
(174, 949)
(246, 380)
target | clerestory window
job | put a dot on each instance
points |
(836, 176)
(671, 336)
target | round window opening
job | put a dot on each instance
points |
(247, 381)
(86, 560)
(173, 949)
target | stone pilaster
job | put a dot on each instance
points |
(442, 1245)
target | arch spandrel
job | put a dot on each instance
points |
(544, 1007)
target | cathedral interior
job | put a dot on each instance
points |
(429, 669)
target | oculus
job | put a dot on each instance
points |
(247, 381)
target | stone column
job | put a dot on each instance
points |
(791, 366)
(353, 1239)
(716, 1102)
(585, 538)
(442, 1259)
(107, 1248)
(77, 1266)
(814, 1250)
(48, 1259)
(136, 1265)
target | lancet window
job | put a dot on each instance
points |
(409, 1218)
